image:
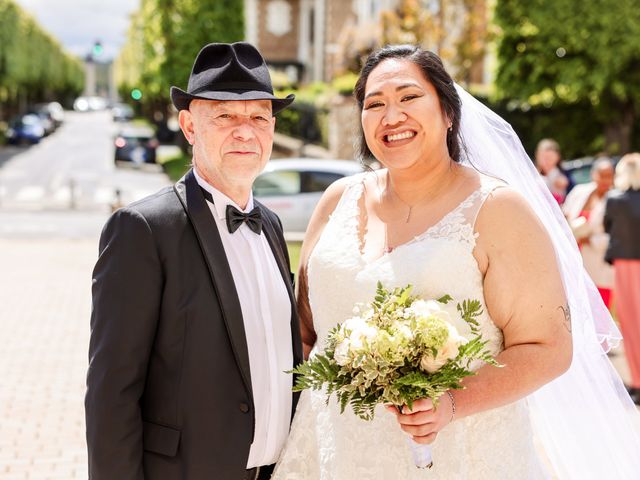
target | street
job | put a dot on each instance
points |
(54, 199)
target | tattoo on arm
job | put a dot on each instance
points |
(566, 311)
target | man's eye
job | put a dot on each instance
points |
(261, 119)
(224, 116)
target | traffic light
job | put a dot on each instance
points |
(97, 49)
(136, 94)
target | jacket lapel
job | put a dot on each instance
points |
(188, 192)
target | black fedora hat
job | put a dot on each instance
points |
(224, 71)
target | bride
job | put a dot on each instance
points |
(469, 219)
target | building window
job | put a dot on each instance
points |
(278, 17)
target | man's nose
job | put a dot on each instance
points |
(243, 130)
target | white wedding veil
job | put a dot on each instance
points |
(585, 421)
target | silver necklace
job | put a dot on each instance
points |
(386, 248)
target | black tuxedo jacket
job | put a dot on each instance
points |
(622, 223)
(169, 388)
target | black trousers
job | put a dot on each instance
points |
(260, 473)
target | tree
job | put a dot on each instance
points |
(165, 37)
(571, 52)
(33, 66)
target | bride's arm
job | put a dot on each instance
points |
(525, 297)
(319, 219)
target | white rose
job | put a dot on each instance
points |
(449, 351)
(430, 308)
(341, 353)
(353, 323)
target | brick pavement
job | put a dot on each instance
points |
(44, 326)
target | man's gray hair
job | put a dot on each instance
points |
(601, 162)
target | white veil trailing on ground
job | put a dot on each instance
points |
(584, 420)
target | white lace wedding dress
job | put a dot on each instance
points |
(327, 445)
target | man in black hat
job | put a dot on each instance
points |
(193, 323)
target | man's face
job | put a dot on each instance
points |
(232, 140)
(603, 176)
(547, 159)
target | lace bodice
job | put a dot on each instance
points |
(327, 445)
(437, 262)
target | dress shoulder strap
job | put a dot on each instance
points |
(346, 210)
(487, 186)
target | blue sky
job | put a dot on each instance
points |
(78, 23)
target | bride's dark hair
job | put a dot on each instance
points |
(434, 73)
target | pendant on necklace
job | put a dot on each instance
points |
(388, 249)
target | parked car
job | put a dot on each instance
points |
(121, 112)
(86, 104)
(136, 144)
(46, 120)
(53, 109)
(293, 187)
(25, 129)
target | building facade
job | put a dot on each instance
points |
(306, 38)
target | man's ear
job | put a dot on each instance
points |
(186, 125)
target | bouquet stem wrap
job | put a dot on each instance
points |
(421, 453)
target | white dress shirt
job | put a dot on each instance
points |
(266, 311)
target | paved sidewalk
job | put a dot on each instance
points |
(44, 325)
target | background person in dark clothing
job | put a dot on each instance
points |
(622, 223)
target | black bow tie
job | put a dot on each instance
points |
(235, 217)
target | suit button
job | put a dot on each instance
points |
(244, 408)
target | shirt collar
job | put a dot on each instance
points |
(220, 200)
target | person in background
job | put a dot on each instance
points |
(548, 164)
(622, 223)
(584, 209)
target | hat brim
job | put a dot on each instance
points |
(182, 99)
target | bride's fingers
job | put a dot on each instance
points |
(426, 440)
(420, 430)
(418, 418)
(418, 406)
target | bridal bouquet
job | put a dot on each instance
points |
(396, 350)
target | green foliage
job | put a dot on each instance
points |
(33, 66)
(581, 132)
(570, 52)
(344, 84)
(385, 350)
(469, 310)
(176, 167)
(307, 118)
(164, 38)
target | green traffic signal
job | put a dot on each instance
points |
(136, 94)
(98, 49)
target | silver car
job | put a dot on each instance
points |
(292, 187)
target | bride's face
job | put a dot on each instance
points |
(402, 119)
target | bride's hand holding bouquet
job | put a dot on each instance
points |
(398, 350)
